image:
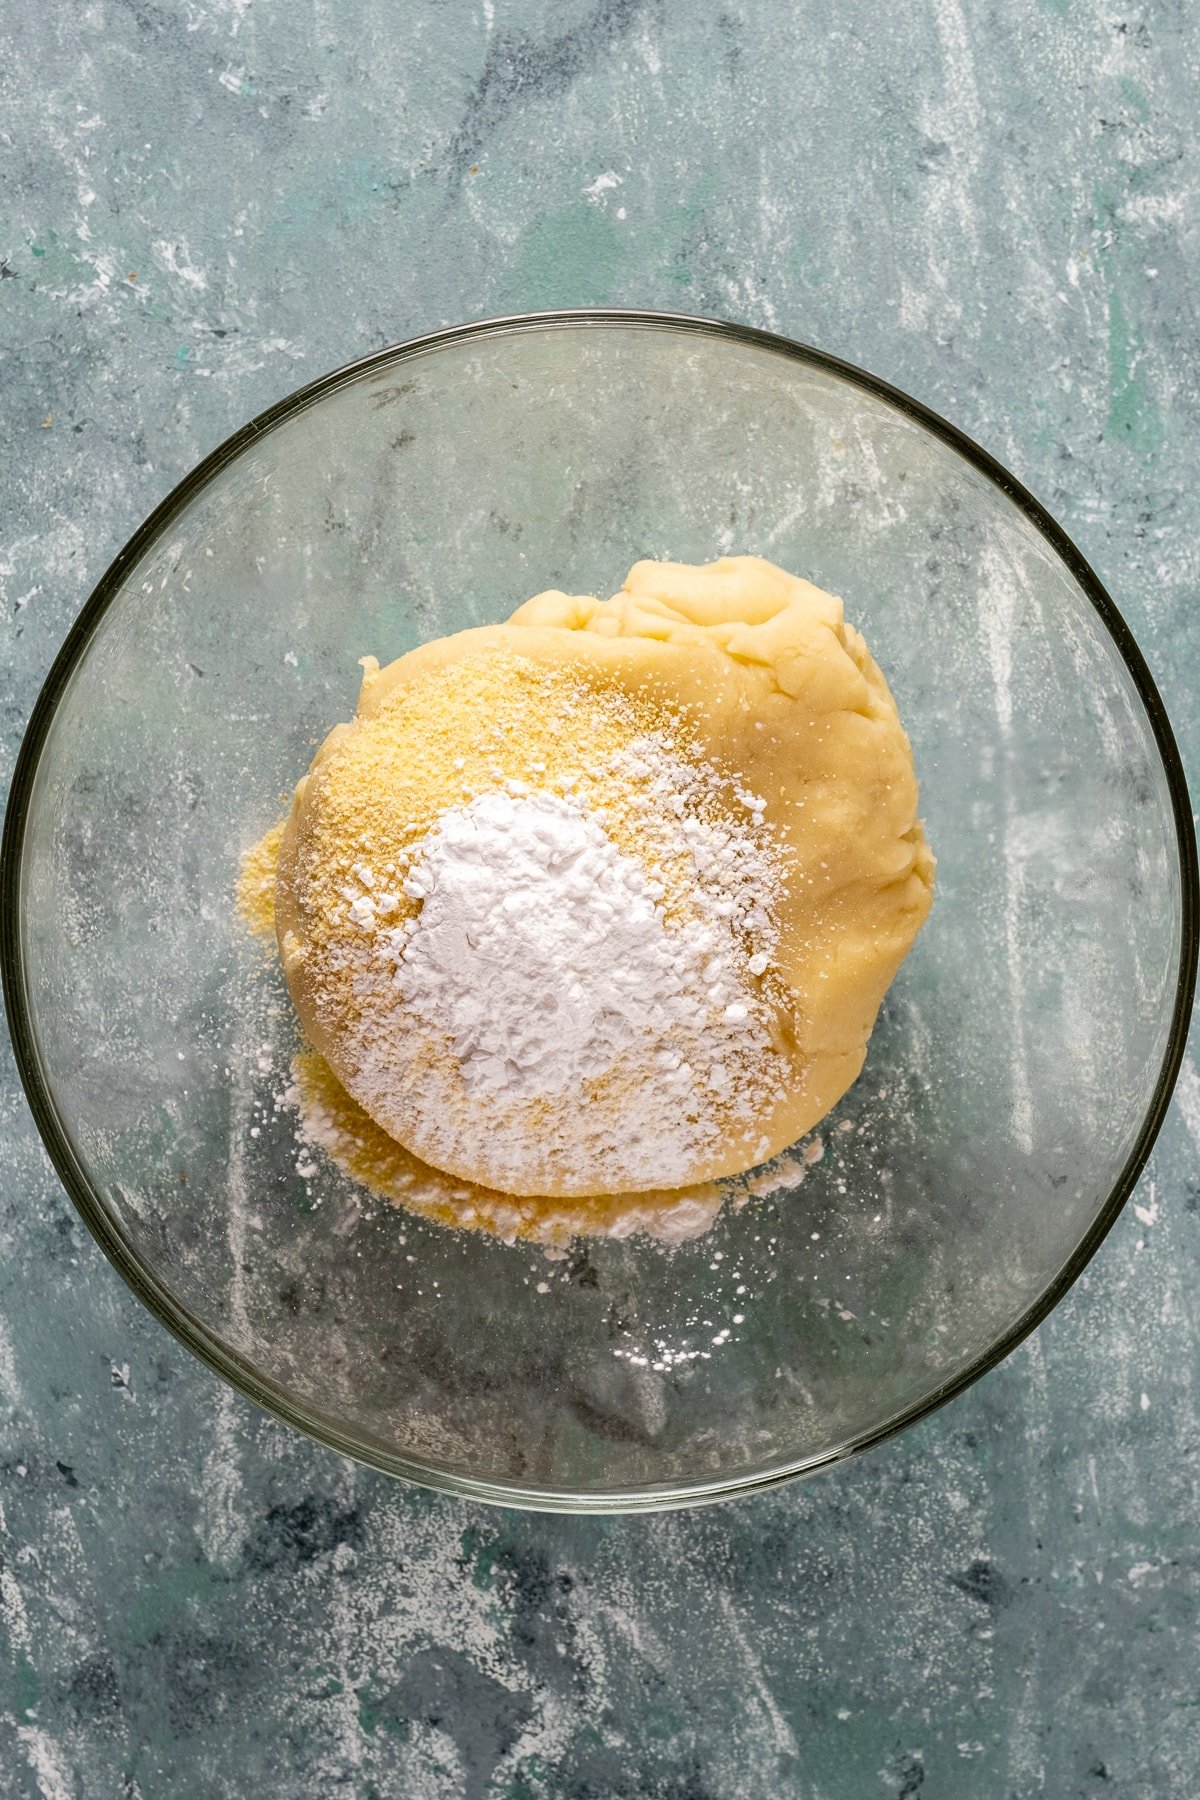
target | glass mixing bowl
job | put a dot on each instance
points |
(1022, 1062)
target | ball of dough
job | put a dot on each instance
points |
(789, 759)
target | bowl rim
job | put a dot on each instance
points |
(157, 1296)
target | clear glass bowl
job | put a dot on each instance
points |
(1023, 1059)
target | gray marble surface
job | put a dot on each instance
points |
(206, 203)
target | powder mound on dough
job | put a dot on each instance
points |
(542, 953)
(716, 762)
(550, 989)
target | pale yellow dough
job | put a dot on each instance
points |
(772, 686)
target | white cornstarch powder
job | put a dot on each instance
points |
(540, 949)
(581, 986)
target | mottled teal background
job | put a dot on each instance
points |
(203, 204)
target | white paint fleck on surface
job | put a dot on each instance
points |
(54, 1780)
(597, 189)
